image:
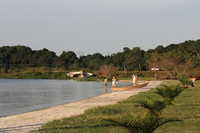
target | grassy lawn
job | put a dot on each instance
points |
(186, 107)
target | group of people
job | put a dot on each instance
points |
(114, 80)
(106, 83)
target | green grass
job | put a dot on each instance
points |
(186, 107)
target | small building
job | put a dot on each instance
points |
(157, 69)
(79, 74)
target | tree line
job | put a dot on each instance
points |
(180, 58)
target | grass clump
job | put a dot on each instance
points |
(185, 107)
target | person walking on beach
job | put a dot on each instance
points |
(135, 79)
(114, 80)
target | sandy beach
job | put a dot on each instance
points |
(25, 122)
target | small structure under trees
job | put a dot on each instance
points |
(79, 74)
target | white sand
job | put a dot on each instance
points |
(25, 122)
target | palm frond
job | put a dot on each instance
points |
(145, 123)
(169, 92)
(154, 106)
(183, 79)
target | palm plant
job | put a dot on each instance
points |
(153, 119)
(168, 93)
(145, 123)
(184, 80)
(154, 106)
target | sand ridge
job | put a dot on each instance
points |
(33, 120)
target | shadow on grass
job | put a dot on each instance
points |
(191, 117)
(78, 127)
(24, 128)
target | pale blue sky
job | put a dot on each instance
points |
(97, 26)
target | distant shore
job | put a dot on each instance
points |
(33, 120)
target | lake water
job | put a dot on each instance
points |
(24, 95)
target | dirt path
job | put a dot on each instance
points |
(25, 122)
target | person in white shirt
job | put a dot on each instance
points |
(135, 79)
(114, 82)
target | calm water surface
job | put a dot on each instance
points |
(24, 95)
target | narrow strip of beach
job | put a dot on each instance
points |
(33, 120)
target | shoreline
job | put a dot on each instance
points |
(64, 103)
(33, 120)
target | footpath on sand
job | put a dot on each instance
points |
(29, 121)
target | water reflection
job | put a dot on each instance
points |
(105, 90)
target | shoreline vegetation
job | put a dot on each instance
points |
(120, 75)
(186, 107)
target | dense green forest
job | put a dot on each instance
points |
(177, 58)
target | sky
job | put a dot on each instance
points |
(97, 26)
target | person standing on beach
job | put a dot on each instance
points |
(135, 79)
(114, 80)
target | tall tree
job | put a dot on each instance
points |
(96, 61)
(134, 59)
(117, 60)
(69, 58)
(160, 49)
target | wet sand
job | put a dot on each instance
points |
(29, 121)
